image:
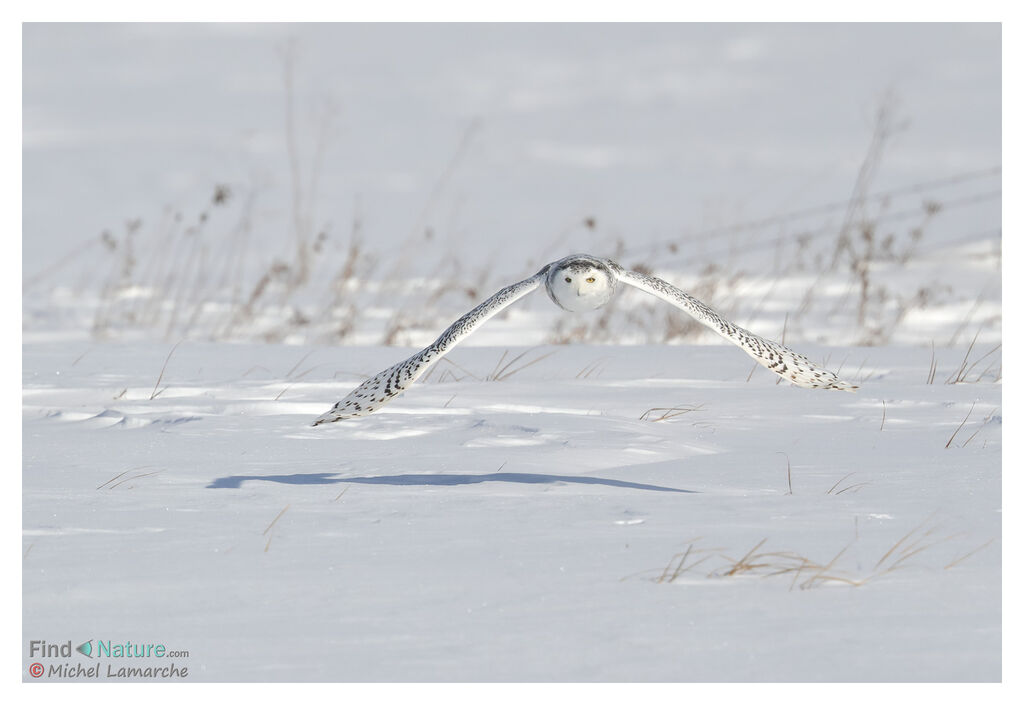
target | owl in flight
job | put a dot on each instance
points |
(579, 283)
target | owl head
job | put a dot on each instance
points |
(580, 283)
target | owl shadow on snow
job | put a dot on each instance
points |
(439, 480)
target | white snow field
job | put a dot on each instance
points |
(226, 228)
(546, 526)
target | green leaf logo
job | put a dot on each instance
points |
(85, 649)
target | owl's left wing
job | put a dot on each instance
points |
(778, 358)
(385, 386)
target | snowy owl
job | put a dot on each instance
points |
(579, 283)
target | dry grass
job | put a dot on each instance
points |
(503, 370)
(962, 373)
(268, 532)
(593, 368)
(804, 572)
(967, 555)
(681, 563)
(854, 487)
(963, 423)
(789, 473)
(184, 277)
(156, 391)
(197, 272)
(120, 479)
(294, 378)
(984, 423)
(660, 413)
(969, 411)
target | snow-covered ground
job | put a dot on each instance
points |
(528, 528)
(228, 227)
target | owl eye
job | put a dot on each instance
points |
(568, 279)
(590, 280)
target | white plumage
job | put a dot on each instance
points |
(579, 283)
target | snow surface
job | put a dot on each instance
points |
(514, 529)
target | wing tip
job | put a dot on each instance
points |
(329, 417)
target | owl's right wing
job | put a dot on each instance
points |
(786, 363)
(377, 391)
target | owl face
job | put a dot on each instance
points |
(580, 284)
